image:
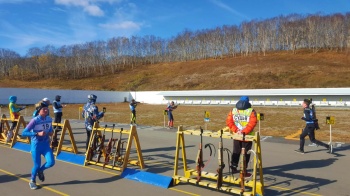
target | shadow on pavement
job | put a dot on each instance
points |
(312, 185)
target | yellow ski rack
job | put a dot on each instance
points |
(16, 137)
(132, 137)
(231, 184)
(65, 128)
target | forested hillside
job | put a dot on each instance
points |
(275, 70)
(291, 51)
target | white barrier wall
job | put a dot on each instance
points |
(321, 97)
(151, 97)
(32, 96)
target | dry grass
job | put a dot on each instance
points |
(279, 121)
(276, 70)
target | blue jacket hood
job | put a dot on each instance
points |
(13, 99)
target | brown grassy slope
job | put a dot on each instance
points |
(280, 70)
(277, 70)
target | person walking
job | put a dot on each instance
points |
(91, 115)
(39, 129)
(132, 106)
(309, 129)
(14, 115)
(241, 120)
(171, 106)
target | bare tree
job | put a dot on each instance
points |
(291, 32)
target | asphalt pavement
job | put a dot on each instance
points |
(316, 172)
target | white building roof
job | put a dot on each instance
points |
(260, 92)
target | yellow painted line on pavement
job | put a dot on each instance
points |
(44, 187)
(287, 189)
(185, 192)
(155, 162)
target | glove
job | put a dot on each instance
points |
(303, 118)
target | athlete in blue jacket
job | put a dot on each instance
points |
(309, 129)
(40, 130)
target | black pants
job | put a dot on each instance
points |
(310, 131)
(14, 124)
(237, 148)
(58, 117)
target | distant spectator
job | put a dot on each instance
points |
(170, 108)
(132, 106)
(57, 110)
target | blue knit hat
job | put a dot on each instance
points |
(244, 98)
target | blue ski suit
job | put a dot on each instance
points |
(40, 145)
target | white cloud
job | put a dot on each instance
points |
(58, 9)
(228, 8)
(108, 1)
(88, 6)
(125, 25)
(93, 10)
(34, 36)
(82, 3)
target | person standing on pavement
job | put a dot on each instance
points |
(91, 115)
(310, 129)
(14, 115)
(241, 120)
(57, 110)
(39, 129)
(171, 106)
(132, 106)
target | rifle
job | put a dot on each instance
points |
(229, 154)
(211, 152)
(242, 167)
(108, 149)
(314, 117)
(93, 147)
(199, 159)
(221, 163)
(101, 146)
(117, 154)
(1, 126)
(54, 142)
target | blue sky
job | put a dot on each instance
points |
(37, 23)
